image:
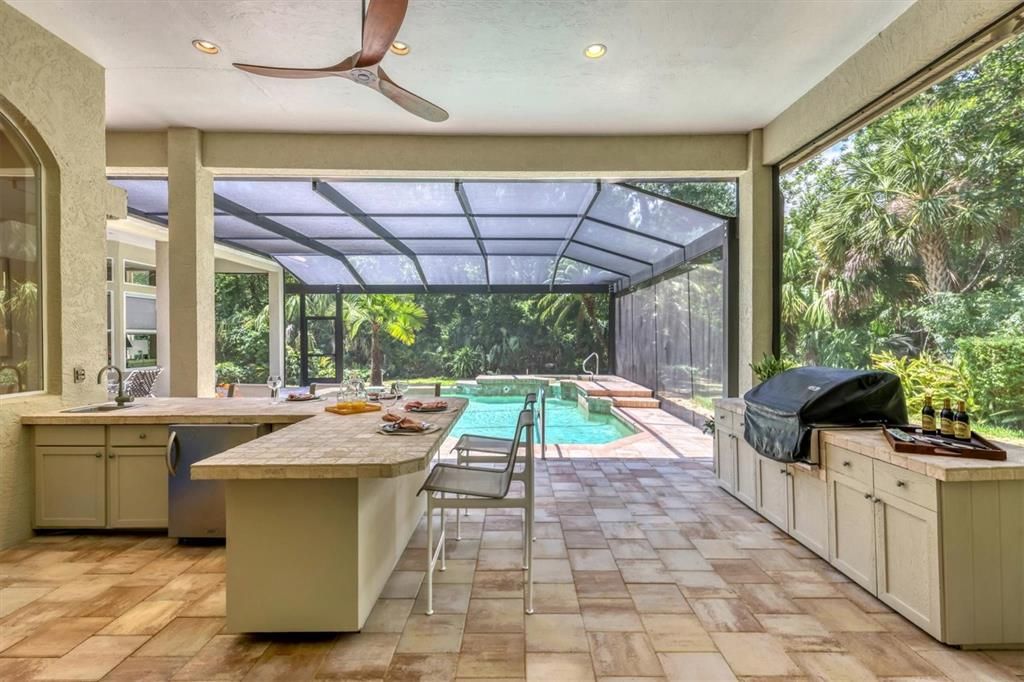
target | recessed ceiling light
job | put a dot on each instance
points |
(400, 48)
(205, 46)
(595, 51)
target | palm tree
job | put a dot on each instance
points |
(397, 315)
(579, 312)
(907, 194)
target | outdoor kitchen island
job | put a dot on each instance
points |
(318, 511)
(318, 515)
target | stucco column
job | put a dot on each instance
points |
(162, 388)
(191, 266)
(755, 262)
(275, 293)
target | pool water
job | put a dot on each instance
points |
(566, 423)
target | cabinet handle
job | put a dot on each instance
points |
(782, 471)
(111, 455)
(878, 500)
(99, 454)
(846, 463)
(142, 436)
(901, 484)
(867, 496)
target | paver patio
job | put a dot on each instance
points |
(644, 568)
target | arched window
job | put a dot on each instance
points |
(21, 264)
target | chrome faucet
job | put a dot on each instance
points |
(121, 398)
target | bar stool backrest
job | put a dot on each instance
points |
(522, 437)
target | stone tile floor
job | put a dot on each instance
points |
(644, 570)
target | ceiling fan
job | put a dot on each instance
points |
(381, 22)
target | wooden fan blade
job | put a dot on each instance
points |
(281, 72)
(414, 104)
(380, 28)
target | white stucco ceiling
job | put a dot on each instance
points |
(498, 66)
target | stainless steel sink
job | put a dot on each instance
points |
(105, 407)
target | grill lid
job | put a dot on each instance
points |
(782, 411)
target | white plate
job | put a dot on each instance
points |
(431, 428)
(305, 400)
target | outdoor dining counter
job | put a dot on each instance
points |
(318, 512)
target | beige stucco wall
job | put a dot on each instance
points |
(754, 327)
(55, 95)
(919, 36)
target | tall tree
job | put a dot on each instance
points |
(908, 193)
(398, 316)
(581, 314)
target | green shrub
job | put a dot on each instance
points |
(927, 374)
(769, 365)
(466, 362)
(996, 367)
(230, 373)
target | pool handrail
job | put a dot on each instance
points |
(597, 365)
(542, 421)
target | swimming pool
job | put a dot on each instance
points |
(567, 424)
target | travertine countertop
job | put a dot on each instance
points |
(318, 444)
(872, 443)
(190, 411)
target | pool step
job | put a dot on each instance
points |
(622, 393)
(613, 389)
(632, 401)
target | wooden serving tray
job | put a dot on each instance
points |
(337, 409)
(986, 449)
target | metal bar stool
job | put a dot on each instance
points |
(482, 488)
(494, 449)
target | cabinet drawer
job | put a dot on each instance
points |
(138, 435)
(849, 463)
(907, 485)
(71, 435)
(725, 419)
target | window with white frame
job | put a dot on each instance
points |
(140, 330)
(139, 274)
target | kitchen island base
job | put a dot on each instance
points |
(313, 555)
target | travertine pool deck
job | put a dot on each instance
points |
(646, 570)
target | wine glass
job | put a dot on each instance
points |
(346, 396)
(401, 387)
(274, 384)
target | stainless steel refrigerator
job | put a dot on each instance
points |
(196, 508)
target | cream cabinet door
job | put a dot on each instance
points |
(907, 541)
(772, 491)
(70, 487)
(137, 484)
(725, 455)
(851, 528)
(808, 510)
(746, 472)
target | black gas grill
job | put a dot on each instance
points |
(782, 411)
